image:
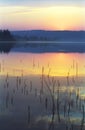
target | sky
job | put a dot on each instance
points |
(42, 14)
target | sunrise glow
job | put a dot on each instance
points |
(46, 18)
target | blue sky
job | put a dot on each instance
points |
(42, 2)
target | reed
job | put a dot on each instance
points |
(42, 81)
(29, 115)
(58, 104)
(7, 99)
(52, 94)
(46, 103)
(30, 85)
(83, 118)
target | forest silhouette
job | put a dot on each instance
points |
(6, 41)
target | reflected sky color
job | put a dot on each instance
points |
(45, 15)
(23, 96)
(55, 64)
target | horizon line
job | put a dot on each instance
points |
(47, 30)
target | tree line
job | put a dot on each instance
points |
(6, 41)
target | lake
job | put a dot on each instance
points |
(42, 91)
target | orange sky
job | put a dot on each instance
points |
(46, 18)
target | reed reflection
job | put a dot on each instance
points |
(42, 91)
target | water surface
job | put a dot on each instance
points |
(42, 91)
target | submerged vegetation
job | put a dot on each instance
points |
(6, 41)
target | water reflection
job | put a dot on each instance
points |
(57, 64)
(42, 91)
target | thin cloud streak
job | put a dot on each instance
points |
(16, 10)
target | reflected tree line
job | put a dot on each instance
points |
(6, 41)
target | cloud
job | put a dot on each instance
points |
(9, 10)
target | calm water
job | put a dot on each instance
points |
(42, 91)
